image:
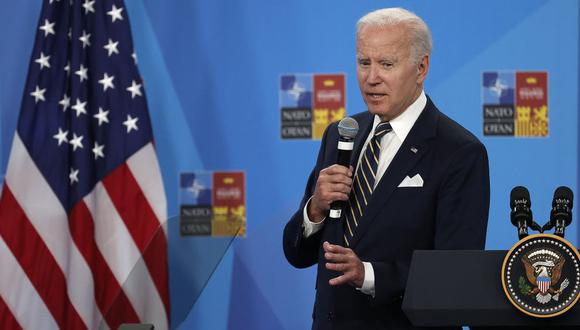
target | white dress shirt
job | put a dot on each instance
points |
(390, 144)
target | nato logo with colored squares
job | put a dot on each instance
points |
(309, 102)
(212, 203)
(515, 103)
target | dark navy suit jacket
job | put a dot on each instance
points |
(449, 212)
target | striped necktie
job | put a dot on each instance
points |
(364, 181)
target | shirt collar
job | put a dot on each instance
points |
(403, 123)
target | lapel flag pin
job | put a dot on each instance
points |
(414, 150)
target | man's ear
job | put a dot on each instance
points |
(422, 69)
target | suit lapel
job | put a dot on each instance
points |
(409, 154)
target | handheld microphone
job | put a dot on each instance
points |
(347, 130)
(521, 214)
(561, 214)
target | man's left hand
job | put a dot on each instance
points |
(344, 260)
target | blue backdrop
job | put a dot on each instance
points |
(212, 69)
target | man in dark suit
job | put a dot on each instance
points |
(418, 180)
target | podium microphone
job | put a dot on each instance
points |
(521, 214)
(347, 130)
(561, 214)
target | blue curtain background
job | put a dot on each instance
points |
(211, 71)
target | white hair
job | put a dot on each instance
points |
(420, 35)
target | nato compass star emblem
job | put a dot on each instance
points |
(541, 275)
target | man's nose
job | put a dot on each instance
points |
(374, 77)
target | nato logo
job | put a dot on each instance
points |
(498, 88)
(498, 103)
(296, 91)
(195, 196)
(296, 106)
(515, 103)
(195, 188)
(309, 102)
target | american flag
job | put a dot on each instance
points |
(82, 211)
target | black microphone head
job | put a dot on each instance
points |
(563, 195)
(348, 128)
(562, 205)
(520, 196)
(520, 204)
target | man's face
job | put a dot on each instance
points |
(388, 78)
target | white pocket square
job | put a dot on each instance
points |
(415, 181)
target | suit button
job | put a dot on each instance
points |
(330, 316)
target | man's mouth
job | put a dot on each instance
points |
(375, 96)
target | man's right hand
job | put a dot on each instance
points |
(334, 184)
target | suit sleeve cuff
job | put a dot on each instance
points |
(368, 286)
(310, 228)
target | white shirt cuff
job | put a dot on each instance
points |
(310, 228)
(368, 286)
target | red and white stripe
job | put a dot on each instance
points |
(103, 264)
(544, 285)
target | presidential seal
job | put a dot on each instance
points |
(541, 275)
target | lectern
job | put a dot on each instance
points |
(463, 288)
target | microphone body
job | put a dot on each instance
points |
(522, 229)
(521, 214)
(347, 130)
